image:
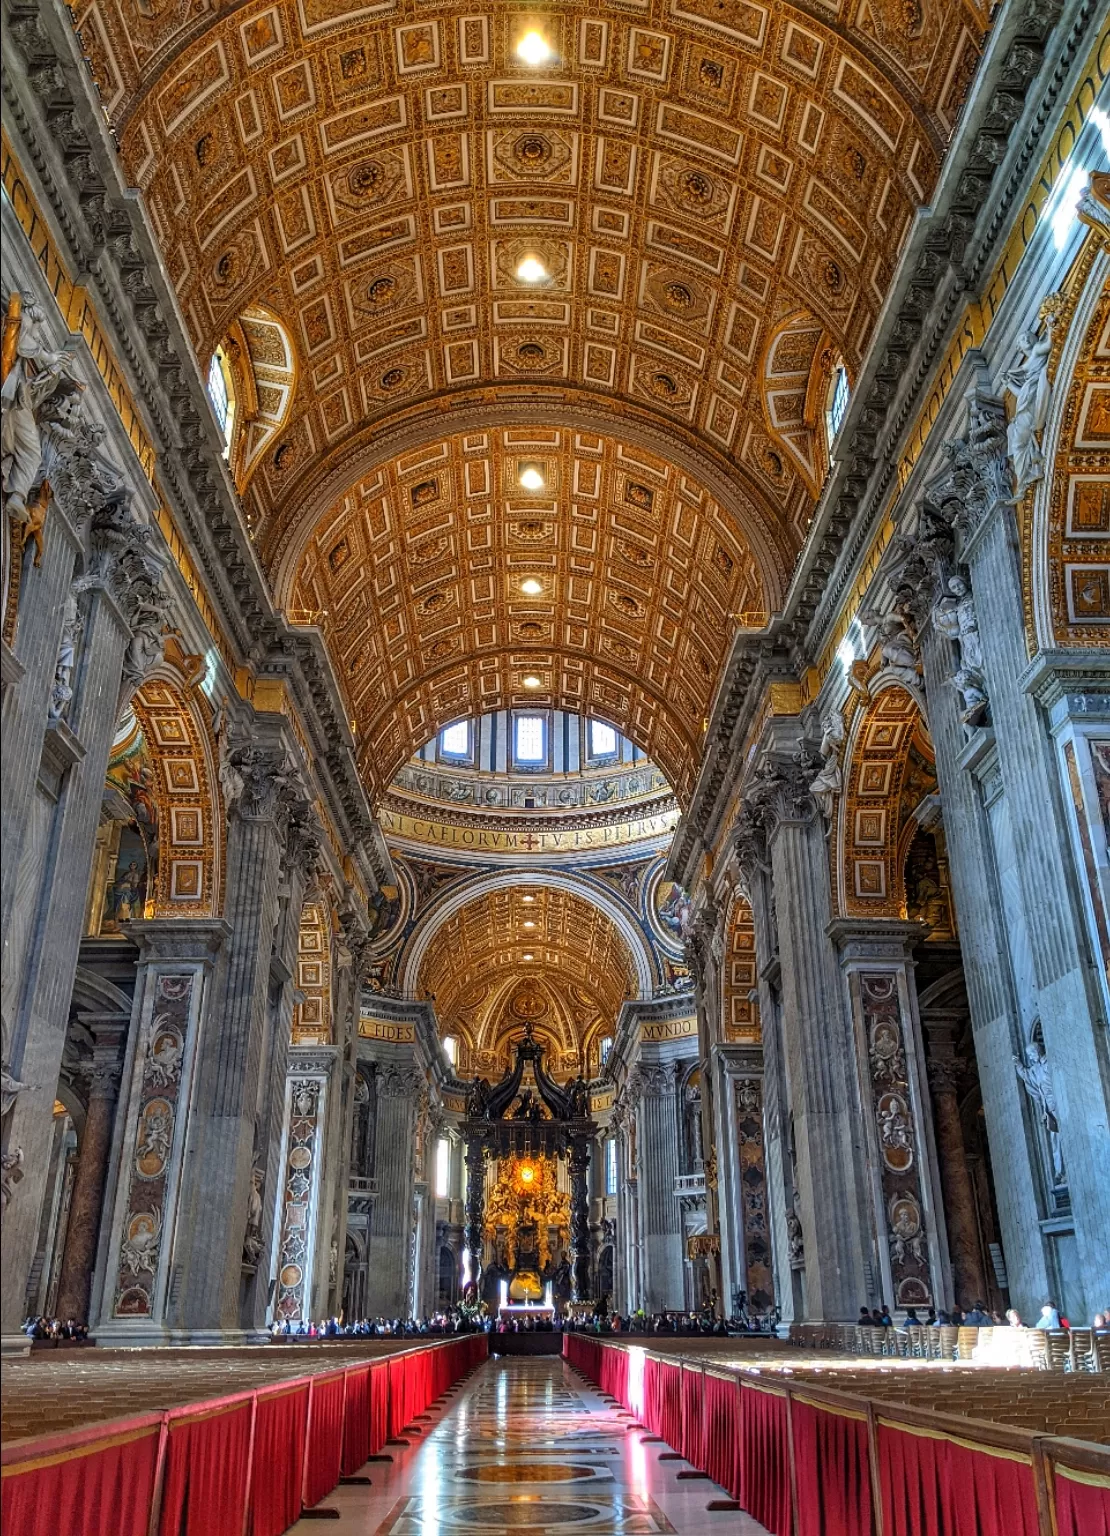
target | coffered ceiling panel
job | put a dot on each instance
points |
(688, 172)
(579, 974)
(442, 584)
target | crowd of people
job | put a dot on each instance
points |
(704, 1323)
(442, 1324)
(54, 1330)
(977, 1316)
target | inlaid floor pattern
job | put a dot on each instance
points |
(525, 1448)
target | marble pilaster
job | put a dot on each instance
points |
(902, 1164)
(944, 1069)
(52, 885)
(829, 1165)
(658, 1140)
(1069, 1004)
(389, 1256)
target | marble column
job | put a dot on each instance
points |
(830, 1162)
(53, 884)
(391, 1225)
(902, 1163)
(87, 1199)
(475, 1207)
(658, 1139)
(175, 983)
(578, 1165)
(1069, 1005)
(945, 1070)
(217, 1177)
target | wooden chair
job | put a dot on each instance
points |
(1083, 1350)
(1102, 1349)
(949, 1338)
(1058, 1349)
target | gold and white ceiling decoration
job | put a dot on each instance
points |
(716, 192)
(527, 953)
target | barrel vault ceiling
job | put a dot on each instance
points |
(556, 960)
(716, 192)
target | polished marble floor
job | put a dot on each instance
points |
(526, 1448)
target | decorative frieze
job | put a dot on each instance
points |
(299, 1195)
(758, 1273)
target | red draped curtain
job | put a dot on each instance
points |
(324, 1444)
(356, 1420)
(207, 1470)
(79, 1486)
(277, 1464)
(693, 1410)
(935, 1485)
(1082, 1503)
(765, 1458)
(379, 1406)
(722, 1432)
(832, 1469)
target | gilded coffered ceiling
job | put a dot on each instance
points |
(485, 990)
(713, 193)
(418, 577)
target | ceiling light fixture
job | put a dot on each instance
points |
(533, 49)
(532, 587)
(527, 956)
(529, 924)
(532, 682)
(527, 898)
(531, 477)
(530, 269)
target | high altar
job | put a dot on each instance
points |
(517, 1238)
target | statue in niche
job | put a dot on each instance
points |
(794, 1239)
(62, 691)
(954, 616)
(829, 781)
(252, 1242)
(1036, 1074)
(898, 651)
(1027, 380)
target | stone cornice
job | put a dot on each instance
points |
(55, 119)
(951, 248)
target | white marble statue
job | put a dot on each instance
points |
(62, 691)
(35, 373)
(1036, 1074)
(898, 651)
(1027, 380)
(829, 781)
(954, 616)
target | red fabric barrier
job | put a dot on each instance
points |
(277, 1465)
(670, 1404)
(324, 1442)
(1082, 1503)
(379, 1406)
(207, 1471)
(933, 1485)
(356, 1420)
(722, 1433)
(77, 1486)
(693, 1414)
(765, 1459)
(832, 1470)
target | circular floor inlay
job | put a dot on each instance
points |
(522, 1512)
(529, 1472)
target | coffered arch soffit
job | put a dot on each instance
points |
(416, 577)
(581, 971)
(601, 910)
(688, 173)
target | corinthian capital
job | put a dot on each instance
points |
(397, 1082)
(780, 792)
(303, 836)
(253, 779)
(978, 477)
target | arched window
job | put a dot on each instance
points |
(840, 392)
(605, 1045)
(529, 739)
(454, 741)
(443, 1168)
(603, 739)
(221, 393)
(611, 1166)
(451, 1049)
